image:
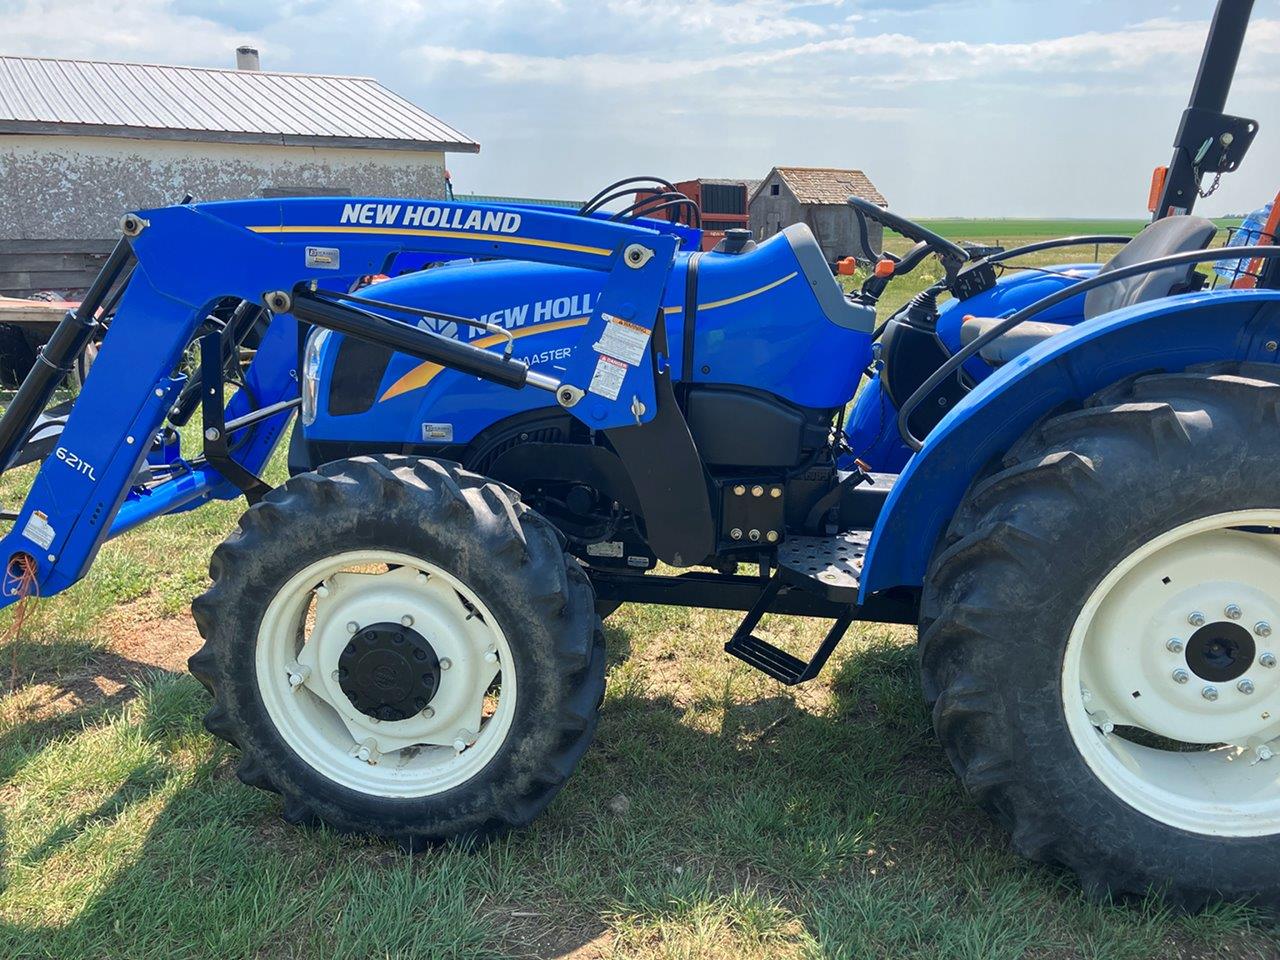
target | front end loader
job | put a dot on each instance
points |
(404, 638)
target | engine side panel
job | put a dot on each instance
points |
(759, 324)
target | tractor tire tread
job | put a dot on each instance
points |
(1003, 551)
(468, 509)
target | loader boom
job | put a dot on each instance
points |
(298, 258)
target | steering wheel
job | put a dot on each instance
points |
(952, 255)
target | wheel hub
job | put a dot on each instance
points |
(1220, 652)
(389, 671)
(1171, 682)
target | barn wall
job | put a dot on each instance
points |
(835, 225)
(768, 212)
(62, 197)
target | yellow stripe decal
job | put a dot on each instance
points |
(740, 297)
(427, 371)
(447, 234)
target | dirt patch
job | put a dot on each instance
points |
(543, 934)
(90, 678)
(142, 638)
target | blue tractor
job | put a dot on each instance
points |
(1063, 480)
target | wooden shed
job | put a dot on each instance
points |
(816, 196)
(82, 142)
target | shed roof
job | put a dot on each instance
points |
(826, 184)
(155, 101)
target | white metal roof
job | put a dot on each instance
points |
(143, 100)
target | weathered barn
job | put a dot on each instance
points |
(81, 142)
(816, 196)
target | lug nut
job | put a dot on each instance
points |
(739, 490)
(1268, 659)
(776, 492)
(1245, 686)
(352, 626)
(757, 491)
(406, 621)
(735, 533)
(429, 712)
(772, 536)
(1196, 619)
(1173, 645)
(754, 536)
(1262, 628)
(1232, 611)
(1181, 676)
(445, 663)
(1209, 693)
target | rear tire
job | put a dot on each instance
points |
(1073, 567)
(473, 585)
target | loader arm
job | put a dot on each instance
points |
(296, 257)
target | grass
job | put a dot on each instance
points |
(718, 815)
(1036, 229)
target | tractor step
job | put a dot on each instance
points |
(829, 566)
(767, 658)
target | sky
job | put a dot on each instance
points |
(955, 108)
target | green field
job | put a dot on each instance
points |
(1014, 227)
(719, 814)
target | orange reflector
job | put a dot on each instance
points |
(885, 268)
(847, 267)
(1158, 176)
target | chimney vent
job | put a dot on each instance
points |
(247, 59)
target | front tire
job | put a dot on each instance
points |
(401, 648)
(1095, 638)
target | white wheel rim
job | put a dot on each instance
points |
(1137, 633)
(302, 636)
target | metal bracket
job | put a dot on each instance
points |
(217, 447)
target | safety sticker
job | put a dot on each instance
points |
(609, 548)
(623, 340)
(607, 380)
(38, 529)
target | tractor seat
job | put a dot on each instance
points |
(1018, 340)
(1161, 239)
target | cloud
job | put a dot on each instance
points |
(145, 30)
(997, 95)
(898, 59)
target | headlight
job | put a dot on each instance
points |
(311, 374)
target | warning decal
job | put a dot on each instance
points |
(623, 340)
(38, 530)
(607, 380)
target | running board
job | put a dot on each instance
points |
(829, 566)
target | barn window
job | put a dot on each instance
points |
(774, 189)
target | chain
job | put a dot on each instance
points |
(1213, 187)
